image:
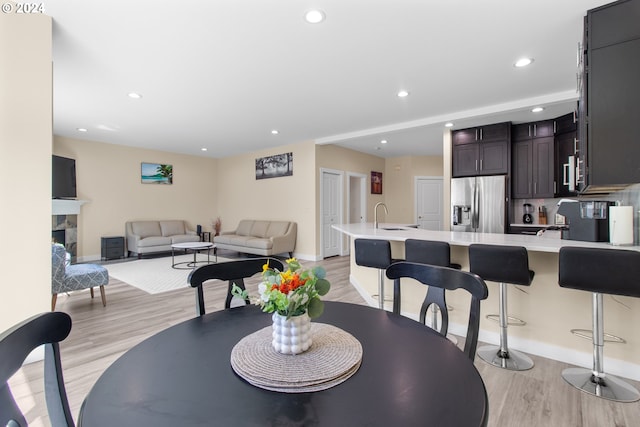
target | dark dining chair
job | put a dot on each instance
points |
(233, 271)
(438, 278)
(15, 345)
(433, 253)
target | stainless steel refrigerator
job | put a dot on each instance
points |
(478, 204)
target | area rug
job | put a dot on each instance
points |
(155, 275)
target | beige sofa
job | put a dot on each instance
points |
(265, 238)
(145, 237)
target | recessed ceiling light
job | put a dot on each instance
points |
(203, 149)
(403, 94)
(384, 141)
(537, 109)
(135, 95)
(523, 62)
(448, 125)
(81, 129)
(314, 16)
(275, 132)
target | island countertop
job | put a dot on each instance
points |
(550, 312)
(402, 232)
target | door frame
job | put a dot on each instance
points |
(340, 206)
(346, 248)
(415, 195)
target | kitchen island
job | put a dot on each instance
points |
(550, 312)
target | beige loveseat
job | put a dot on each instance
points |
(265, 238)
(144, 237)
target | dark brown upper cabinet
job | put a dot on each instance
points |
(566, 123)
(483, 150)
(608, 140)
(541, 129)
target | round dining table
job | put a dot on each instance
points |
(182, 376)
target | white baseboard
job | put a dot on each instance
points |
(612, 366)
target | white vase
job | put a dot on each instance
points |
(292, 336)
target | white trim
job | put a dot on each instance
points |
(340, 205)
(552, 98)
(66, 207)
(363, 203)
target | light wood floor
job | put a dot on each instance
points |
(538, 397)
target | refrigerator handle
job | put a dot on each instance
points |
(475, 214)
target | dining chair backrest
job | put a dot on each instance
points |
(16, 344)
(438, 278)
(233, 271)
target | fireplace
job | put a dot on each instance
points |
(64, 230)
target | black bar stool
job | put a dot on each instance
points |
(374, 253)
(432, 253)
(503, 264)
(600, 271)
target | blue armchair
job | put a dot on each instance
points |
(66, 278)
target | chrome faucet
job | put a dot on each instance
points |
(375, 213)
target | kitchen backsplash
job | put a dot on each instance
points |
(630, 196)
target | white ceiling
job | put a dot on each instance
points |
(222, 74)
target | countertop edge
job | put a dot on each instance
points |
(461, 238)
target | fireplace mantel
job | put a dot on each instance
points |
(66, 207)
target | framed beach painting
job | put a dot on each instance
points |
(156, 173)
(274, 166)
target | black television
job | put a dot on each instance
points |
(63, 180)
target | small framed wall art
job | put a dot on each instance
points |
(156, 173)
(274, 166)
(376, 182)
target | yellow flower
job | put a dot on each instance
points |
(286, 275)
(291, 260)
(265, 267)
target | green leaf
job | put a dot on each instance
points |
(323, 286)
(316, 307)
(237, 291)
(320, 272)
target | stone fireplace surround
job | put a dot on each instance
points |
(64, 224)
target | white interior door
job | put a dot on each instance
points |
(429, 203)
(331, 212)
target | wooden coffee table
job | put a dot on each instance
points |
(194, 247)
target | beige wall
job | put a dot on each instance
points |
(108, 178)
(398, 175)
(399, 184)
(290, 198)
(345, 160)
(25, 151)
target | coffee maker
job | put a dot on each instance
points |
(587, 220)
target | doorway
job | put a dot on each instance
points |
(428, 202)
(331, 182)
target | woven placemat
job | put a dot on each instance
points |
(334, 356)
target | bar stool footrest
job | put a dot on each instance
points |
(515, 360)
(588, 335)
(511, 321)
(609, 387)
